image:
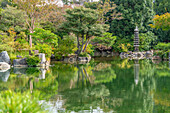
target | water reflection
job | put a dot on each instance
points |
(121, 86)
(4, 75)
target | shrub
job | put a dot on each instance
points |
(164, 49)
(44, 48)
(66, 46)
(83, 54)
(32, 60)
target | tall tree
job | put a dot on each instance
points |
(83, 23)
(35, 10)
(134, 13)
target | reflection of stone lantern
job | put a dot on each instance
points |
(136, 71)
(136, 39)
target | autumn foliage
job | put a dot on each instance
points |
(161, 22)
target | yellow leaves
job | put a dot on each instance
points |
(162, 21)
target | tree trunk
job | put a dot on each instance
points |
(30, 41)
(82, 44)
(86, 45)
(78, 44)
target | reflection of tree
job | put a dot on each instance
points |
(83, 98)
(105, 74)
(132, 97)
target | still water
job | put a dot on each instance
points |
(101, 86)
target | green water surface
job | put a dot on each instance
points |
(105, 85)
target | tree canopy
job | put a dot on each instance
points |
(83, 23)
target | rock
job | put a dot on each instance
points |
(4, 66)
(36, 52)
(5, 75)
(97, 54)
(4, 57)
(104, 54)
(20, 62)
(18, 56)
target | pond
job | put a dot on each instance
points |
(104, 85)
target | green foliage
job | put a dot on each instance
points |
(83, 23)
(7, 42)
(12, 102)
(11, 17)
(32, 71)
(66, 46)
(44, 41)
(164, 49)
(161, 6)
(44, 36)
(147, 40)
(44, 48)
(32, 60)
(91, 5)
(162, 22)
(134, 13)
(163, 46)
(83, 55)
(107, 39)
(123, 45)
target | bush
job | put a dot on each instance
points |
(83, 54)
(147, 41)
(32, 60)
(44, 48)
(66, 46)
(164, 49)
(106, 40)
(123, 45)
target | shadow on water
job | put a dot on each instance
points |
(113, 85)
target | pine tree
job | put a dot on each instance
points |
(83, 23)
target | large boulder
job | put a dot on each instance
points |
(4, 66)
(4, 57)
(20, 62)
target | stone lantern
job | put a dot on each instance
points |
(136, 39)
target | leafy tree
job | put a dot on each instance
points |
(35, 11)
(106, 10)
(162, 22)
(54, 19)
(83, 23)
(45, 36)
(11, 17)
(134, 13)
(44, 40)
